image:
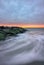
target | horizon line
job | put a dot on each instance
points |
(23, 25)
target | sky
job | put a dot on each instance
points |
(22, 11)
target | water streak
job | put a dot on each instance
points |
(27, 47)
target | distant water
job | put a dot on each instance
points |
(23, 49)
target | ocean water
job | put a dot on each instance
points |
(24, 49)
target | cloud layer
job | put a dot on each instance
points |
(18, 11)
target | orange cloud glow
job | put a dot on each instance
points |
(24, 25)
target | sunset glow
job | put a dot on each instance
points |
(24, 25)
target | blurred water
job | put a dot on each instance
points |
(25, 48)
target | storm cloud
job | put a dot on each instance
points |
(22, 11)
